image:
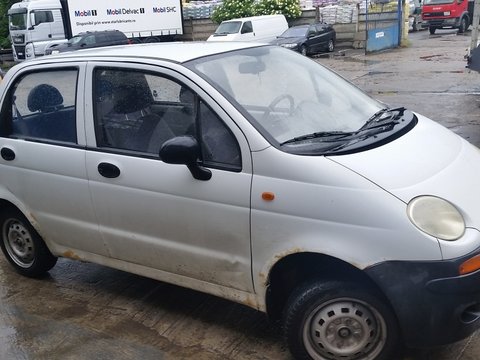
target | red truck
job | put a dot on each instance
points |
(441, 14)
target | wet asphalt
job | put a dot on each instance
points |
(86, 311)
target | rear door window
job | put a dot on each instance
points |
(42, 106)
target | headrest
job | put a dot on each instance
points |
(44, 98)
(131, 97)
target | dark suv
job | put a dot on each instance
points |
(90, 39)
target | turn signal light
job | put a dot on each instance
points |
(268, 196)
(469, 266)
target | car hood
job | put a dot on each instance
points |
(64, 48)
(287, 40)
(428, 160)
(222, 37)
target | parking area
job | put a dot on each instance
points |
(86, 311)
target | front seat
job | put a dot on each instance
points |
(133, 100)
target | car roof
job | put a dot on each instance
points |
(172, 51)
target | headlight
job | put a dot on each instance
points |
(437, 217)
(289, 46)
(446, 13)
(29, 51)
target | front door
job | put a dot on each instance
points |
(157, 214)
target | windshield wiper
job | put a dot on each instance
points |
(316, 135)
(381, 116)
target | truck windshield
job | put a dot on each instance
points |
(433, 2)
(18, 21)
(230, 27)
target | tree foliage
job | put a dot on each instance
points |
(231, 9)
(289, 8)
(4, 6)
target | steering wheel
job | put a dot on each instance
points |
(277, 100)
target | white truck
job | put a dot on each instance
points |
(37, 24)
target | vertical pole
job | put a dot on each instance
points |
(475, 22)
(366, 27)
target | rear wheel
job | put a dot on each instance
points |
(338, 320)
(330, 46)
(463, 25)
(432, 30)
(23, 247)
(151, 39)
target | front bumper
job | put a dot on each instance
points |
(433, 303)
(442, 23)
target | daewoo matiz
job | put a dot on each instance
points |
(252, 173)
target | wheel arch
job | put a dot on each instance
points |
(295, 269)
(6, 204)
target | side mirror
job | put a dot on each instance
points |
(184, 150)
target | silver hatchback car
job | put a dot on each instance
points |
(252, 173)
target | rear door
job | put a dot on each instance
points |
(156, 214)
(323, 34)
(42, 164)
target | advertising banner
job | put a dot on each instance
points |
(134, 18)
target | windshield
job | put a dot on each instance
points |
(286, 95)
(18, 21)
(74, 40)
(295, 32)
(433, 2)
(230, 27)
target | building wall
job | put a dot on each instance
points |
(201, 29)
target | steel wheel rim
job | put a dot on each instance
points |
(344, 329)
(18, 243)
(330, 45)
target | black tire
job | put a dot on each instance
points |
(23, 247)
(414, 25)
(339, 320)
(330, 45)
(151, 39)
(432, 30)
(304, 50)
(463, 25)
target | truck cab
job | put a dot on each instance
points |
(453, 14)
(33, 25)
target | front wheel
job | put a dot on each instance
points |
(23, 247)
(304, 50)
(338, 320)
(414, 25)
(432, 30)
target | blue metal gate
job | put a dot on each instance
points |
(383, 24)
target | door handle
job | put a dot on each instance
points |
(7, 154)
(108, 170)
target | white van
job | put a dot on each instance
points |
(263, 28)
